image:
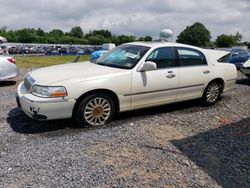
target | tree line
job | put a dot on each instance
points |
(196, 34)
(74, 36)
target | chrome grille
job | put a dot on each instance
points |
(28, 82)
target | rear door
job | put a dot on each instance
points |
(194, 73)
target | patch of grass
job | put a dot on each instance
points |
(44, 61)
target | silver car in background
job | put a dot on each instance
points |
(8, 67)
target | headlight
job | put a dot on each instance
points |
(49, 91)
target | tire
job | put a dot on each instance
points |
(95, 110)
(212, 93)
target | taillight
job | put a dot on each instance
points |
(12, 60)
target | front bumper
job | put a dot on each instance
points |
(44, 108)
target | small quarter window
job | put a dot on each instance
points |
(190, 57)
(225, 58)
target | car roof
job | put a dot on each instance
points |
(163, 43)
(211, 53)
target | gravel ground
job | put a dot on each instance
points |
(180, 145)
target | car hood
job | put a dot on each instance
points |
(247, 64)
(72, 71)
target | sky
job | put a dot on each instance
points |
(133, 17)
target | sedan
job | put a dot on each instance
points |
(131, 76)
(8, 68)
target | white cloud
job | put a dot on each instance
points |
(138, 18)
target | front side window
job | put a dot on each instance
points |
(163, 57)
(190, 57)
(124, 56)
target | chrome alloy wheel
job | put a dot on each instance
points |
(213, 92)
(97, 111)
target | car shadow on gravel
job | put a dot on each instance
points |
(223, 153)
(245, 81)
(7, 83)
(21, 123)
(190, 106)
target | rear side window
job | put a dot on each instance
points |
(225, 58)
(163, 57)
(190, 57)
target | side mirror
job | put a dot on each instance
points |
(148, 66)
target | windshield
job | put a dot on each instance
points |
(124, 56)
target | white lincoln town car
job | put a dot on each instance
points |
(131, 76)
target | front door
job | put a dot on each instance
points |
(157, 86)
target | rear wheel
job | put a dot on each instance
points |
(95, 110)
(212, 93)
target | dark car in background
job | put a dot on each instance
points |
(238, 57)
(72, 51)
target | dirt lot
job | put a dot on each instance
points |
(180, 145)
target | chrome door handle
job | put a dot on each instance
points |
(206, 71)
(171, 76)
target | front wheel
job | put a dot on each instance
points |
(95, 110)
(212, 93)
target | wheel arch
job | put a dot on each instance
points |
(218, 80)
(106, 91)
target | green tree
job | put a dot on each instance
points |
(125, 39)
(76, 32)
(196, 34)
(141, 39)
(12, 36)
(148, 38)
(225, 41)
(57, 33)
(26, 35)
(40, 32)
(3, 30)
(75, 36)
(96, 40)
(104, 33)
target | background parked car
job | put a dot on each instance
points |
(8, 68)
(237, 56)
(63, 51)
(246, 68)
